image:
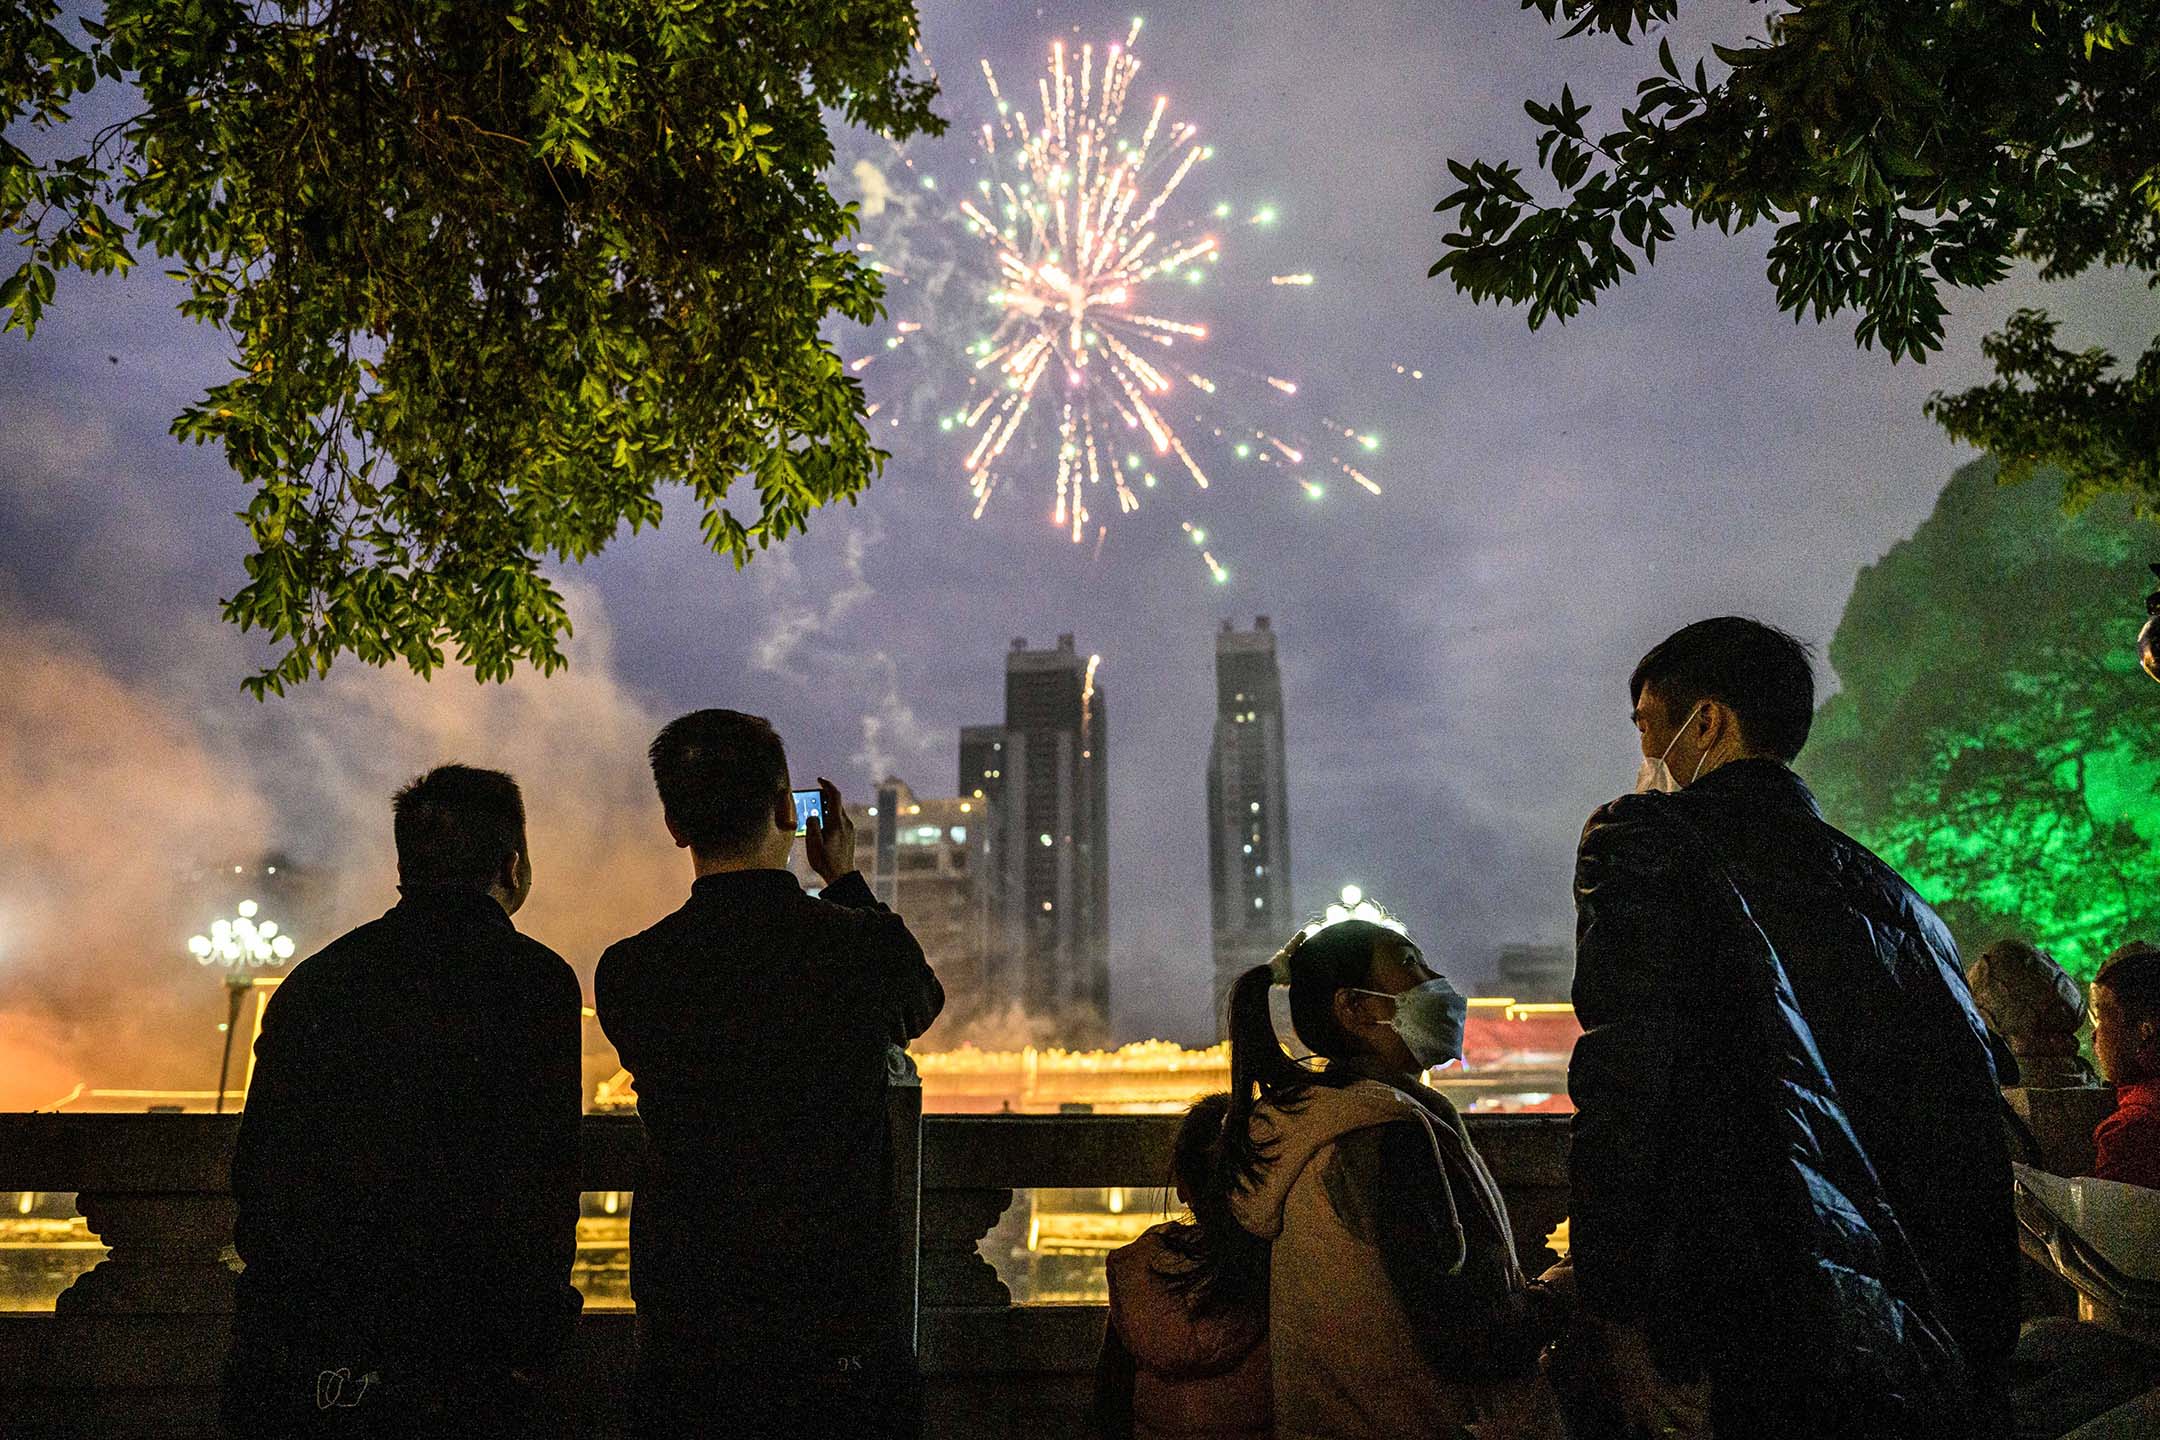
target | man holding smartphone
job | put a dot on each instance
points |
(756, 1022)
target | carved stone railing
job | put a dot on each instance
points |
(134, 1347)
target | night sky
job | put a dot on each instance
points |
(1455, 652)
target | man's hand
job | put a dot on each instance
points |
(1560, 1280)
(829, 841)
(1647, 1402)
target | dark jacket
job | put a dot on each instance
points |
(757, 1022)
(407, 1170)
(1787, 1161)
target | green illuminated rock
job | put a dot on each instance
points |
(1993, 737)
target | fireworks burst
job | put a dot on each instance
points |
(1084, 258)
(1075, 244)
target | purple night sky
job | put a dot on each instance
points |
(1455, 652)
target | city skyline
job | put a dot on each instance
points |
(1556, 502)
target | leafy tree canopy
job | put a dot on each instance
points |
(1900, 147)
(495, 271)
(1992, 737)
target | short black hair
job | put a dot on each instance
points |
(456, 825)
(1765, 675)
(719, 773)
(2132, 976)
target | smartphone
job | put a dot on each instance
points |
(809, 805)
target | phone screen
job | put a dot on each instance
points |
(808, 804)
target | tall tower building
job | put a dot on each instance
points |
(1042, 776)
(1248, 806)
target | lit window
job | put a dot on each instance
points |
(959, 832)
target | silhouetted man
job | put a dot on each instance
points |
(1789, 1174)
(407, 1170)
(757, 1022)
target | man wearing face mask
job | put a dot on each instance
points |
(1790, 1189)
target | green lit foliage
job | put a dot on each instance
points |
(1993, 737)
(1899, 148)
(494, 274)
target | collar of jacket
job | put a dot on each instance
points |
(1432, 1102)
(1760, 780)
(463, 902)
(2139, 1094)
(747, 883)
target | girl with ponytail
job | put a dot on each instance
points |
(1397, 1307)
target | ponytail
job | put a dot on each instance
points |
(1314, 965)
(1259, 1068)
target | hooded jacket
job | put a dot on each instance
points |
(1785, 1151)
(1194, 1377)
(1359, 1347)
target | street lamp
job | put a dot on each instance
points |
(239, 946)
(1354, 906)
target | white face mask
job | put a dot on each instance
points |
(1430, 1018)
(1656, 775)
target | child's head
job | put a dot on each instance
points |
(2126, 1014)
(1219, 1265)
(1192, 1154)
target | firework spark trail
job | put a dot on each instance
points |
(1076, 247)
(1082, 225)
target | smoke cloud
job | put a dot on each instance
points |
(108, 793)
(809, 645)
(122, 794)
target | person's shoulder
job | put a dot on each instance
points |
(1139, 1254)
(632, 948)
(343, 961)
(547, 969)
(2136, 1105)
(1633, 829)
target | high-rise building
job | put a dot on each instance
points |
(982, 761)
(1043, 776)
(1248, 806)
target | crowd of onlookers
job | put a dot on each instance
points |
(1790, 1186)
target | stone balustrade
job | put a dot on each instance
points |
(133, 1348)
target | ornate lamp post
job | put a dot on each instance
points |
(240, 946)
